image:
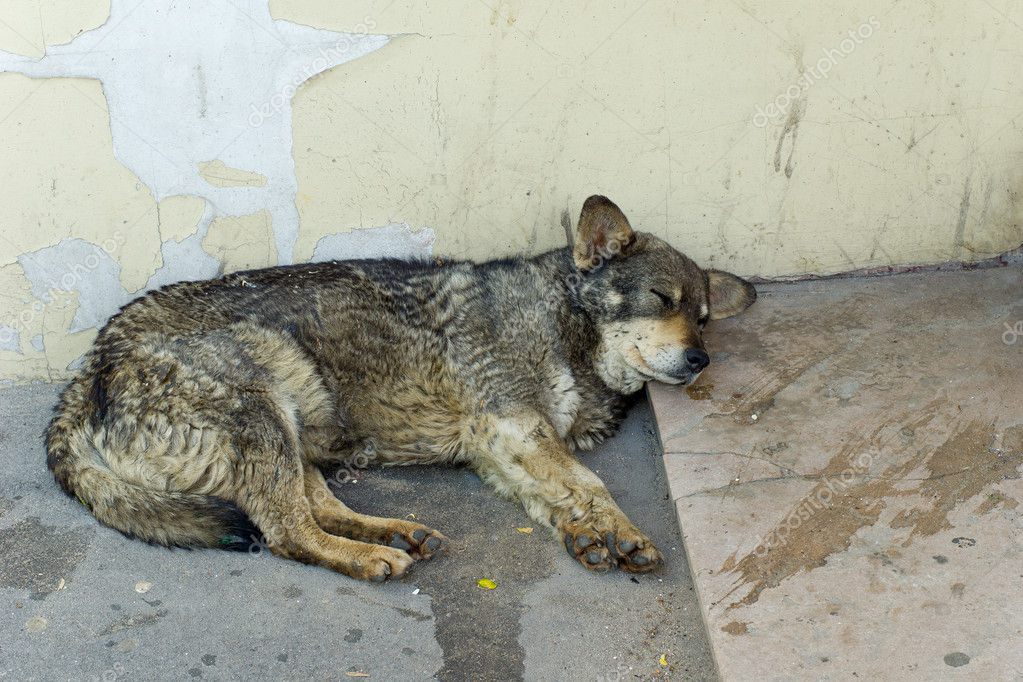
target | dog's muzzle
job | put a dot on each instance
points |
(681, 368)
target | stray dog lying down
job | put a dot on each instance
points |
(207, 411)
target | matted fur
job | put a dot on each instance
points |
(206, 410)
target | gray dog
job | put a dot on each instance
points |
(206, 410)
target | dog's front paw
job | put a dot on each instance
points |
(599, 550)
(383, 563)
(419, 541)
(633, 551)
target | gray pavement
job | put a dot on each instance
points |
(79, 601)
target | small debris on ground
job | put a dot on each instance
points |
(525, 531)
(142, 586)
(486, 583)
(36, 624)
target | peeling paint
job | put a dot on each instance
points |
(29, 27)
(75, 265)
(20, 317)
(179, 217)
(390, 241)
(175, 87)
(10, 339)
(63, 348)
(241, 242)
(218, 174)
(61, 178)
(149, 57)
(487, 124)
(185, 260)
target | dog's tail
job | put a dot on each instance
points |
(172, 519)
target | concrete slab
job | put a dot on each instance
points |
(847, 477)
(79, 601)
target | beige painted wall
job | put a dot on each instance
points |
(488, 123)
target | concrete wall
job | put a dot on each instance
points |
(146, 142)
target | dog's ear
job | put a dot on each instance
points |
(603, 233)
(729, 295)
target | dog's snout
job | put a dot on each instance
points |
(697, 359)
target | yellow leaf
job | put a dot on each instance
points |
(486, 583)
(526, 531)
(664, 660)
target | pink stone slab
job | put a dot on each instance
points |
(847, 475)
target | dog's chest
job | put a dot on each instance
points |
(564, 401)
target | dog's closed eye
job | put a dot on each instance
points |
(665, 299)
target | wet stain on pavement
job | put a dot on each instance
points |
(35, 557)
(845, 499)
(700, 391)
(414, 615)
(736, 628)
(787, 357)
(478, 630)
(960, 469)
(133, 621)
(956, 659)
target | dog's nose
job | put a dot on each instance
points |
(697, 359)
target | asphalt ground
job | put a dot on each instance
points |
(79, 601)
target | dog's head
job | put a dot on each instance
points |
(649, 301)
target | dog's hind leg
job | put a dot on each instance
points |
(334, 517)
(522, 455)
(291, 531)
(271, 490)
